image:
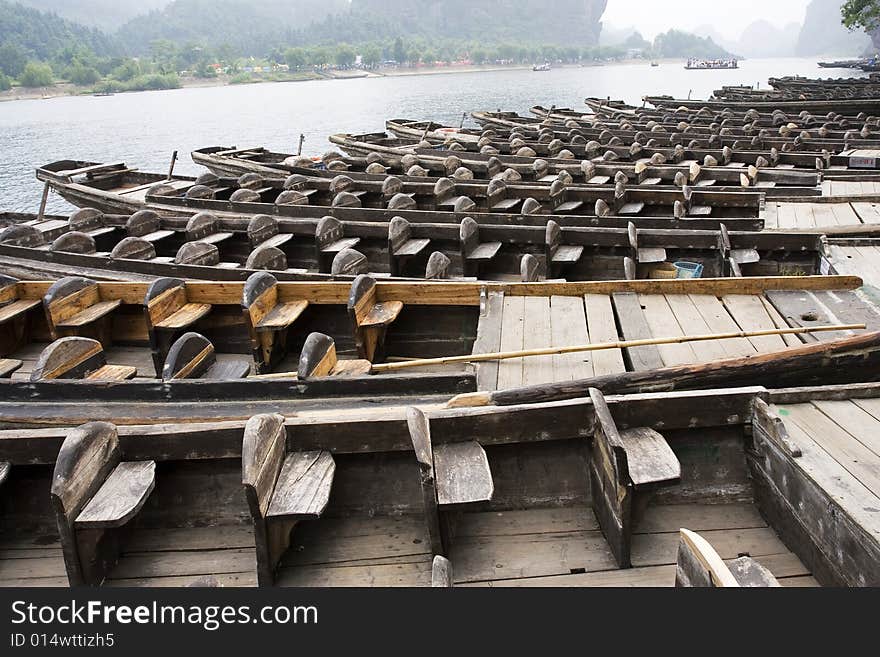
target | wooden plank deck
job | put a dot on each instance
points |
(516, 323)
(863, 261)
(784, 215)
(564, 547)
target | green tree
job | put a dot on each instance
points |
(295, 58)
(399, 51)
(37, 74)
(371, 55)
(861, 13)
(12, 59)
(478, 56)
(128, 70)
(5, 82)
(344, 55)
(82, 75)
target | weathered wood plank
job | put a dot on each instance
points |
(603, 328)
(569, 328)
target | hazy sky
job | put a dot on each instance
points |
(729, 18)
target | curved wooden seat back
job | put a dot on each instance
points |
(142, 223)
(245, 196)
(370, 318)
(261, 228)
(22, 235)
(74, 307)
(268, 319)
(282, 487)
(349, 262)
(198, 253)
(190, 357)
(453, 476)
(199, 192)
(438, 267)
(69, 358)
(530, 269)
(86, 219)
(133, 248)
(291, 197)
(266, 258)
(262, 454)
(318, 359)
(87, 457)
(169, 313)
(74, 242)
(201, 226)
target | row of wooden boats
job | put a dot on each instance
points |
(554, 350)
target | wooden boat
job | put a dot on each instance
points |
(418, 320)
(542, 67)
(235, 163)
(848, 107)
(557, 151)
(764, 482)
(842, 63)
(711, 65)
(445, 201)
(146, 245)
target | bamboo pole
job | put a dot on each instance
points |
(600, 346)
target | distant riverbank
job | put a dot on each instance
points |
(66, 89)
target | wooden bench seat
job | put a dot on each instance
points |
(474, 253)
(147, 225)
(192, 356)
(186, 315)
(559, 255)
(90, 314)
(268, 319)
(78, 358)
(370, 318)
(90, 221)
(700, 566)
(169, 313)
(302, 489)
(8, 367)
(120, 497)
(74, 306)
(330, 240)
(281, 488)
(203, 227)
(453, 477)
(625, 470)
(94, 494)
(17, 308)
(5, 468)
(568, 207)
(403, 248)
(631, 208)
(506, 205)
(318, 359)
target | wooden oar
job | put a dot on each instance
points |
(600, 346)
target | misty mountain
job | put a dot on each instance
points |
(762, 39)
(105, 14)
(823, 33)
(568, 22)
(247, 26)
(40, 35)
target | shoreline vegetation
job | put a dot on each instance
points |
(170, 82)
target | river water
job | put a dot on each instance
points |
(143, 129)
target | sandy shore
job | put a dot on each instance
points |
(66, 89)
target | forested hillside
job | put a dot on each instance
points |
(247, 27)
(42, 36)
(105, 14)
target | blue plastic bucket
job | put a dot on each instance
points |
(688, 270)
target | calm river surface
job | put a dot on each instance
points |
(143, 129)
